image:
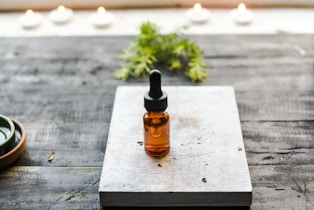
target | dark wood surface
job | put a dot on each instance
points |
(62, 90)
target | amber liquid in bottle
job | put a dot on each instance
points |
(156, 134)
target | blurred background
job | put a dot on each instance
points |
(269, 16)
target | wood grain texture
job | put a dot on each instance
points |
(62, 90)
(37, 187)
(206, 165)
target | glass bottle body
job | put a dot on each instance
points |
(156, 134)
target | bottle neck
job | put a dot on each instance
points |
(156, 114)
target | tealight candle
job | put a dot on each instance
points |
(101, 18)
(242, 15)
(198, 14)
(61, 14)
(30, 19)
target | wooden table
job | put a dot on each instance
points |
(62, 90)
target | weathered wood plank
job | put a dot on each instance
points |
(254, 65)
(279, 143)
(274, 187)
(50, 187)
(283, 187)
(206, 143)
(72, 123)
(62, 90)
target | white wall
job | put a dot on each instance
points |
(10, 5)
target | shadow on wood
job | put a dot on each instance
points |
(184, 208)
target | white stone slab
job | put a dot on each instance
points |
(206, 143)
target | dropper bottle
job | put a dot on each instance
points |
(156, 119)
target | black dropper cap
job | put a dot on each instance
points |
(155, 99)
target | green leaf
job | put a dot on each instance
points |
(197, 72)
(151, 48)
(122, 74)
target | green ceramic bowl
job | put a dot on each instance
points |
(18, 147)
(7, 134)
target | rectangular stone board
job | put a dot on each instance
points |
(206, 165)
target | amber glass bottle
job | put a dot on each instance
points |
(156, 119)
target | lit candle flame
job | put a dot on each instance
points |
(101, 10)
(61, 8)
(241, 7)
(197, 7)
(29, 12)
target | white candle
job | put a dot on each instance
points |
(198, 14)
(101, 18)
(30, 19)
(61, 14)
(241, 15)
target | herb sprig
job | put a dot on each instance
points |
(151, 48)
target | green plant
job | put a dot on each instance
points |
(172, 50)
